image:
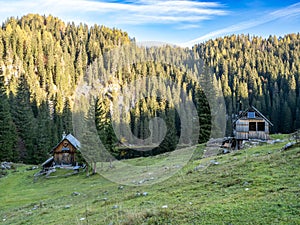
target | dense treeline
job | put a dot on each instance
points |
(43, 60)
(135, 86)
(259, 72)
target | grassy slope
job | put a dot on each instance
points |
(260, 185)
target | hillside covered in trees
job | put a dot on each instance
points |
(43, 60)
(260, 72)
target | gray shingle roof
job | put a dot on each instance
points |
(73, 140)
(255, 110)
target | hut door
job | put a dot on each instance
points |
(65, 158)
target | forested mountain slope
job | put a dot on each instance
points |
(42, 60)
(261, 72)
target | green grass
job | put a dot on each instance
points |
(280, 136)
(260, 185)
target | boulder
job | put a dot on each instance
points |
(6, 165)
(75, 193)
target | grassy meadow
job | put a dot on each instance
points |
(258, 185)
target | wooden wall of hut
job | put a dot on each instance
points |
(251, 129)
(64, 153)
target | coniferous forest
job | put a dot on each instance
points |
(43, 60)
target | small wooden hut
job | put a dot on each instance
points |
(64, 153)
(251, 124)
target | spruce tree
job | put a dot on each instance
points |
(91, 145)
(204, 116)
(104, 125)
(43, 134)
(67, 117)
(25, 122)
(8, 134)
(287, 121)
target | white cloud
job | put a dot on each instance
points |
(187, 26)
(289, 11)
(137, 12)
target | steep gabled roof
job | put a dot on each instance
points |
(71, 139)
(252, 108)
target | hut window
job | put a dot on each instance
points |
(261, 126)
(251, 115)
(252, 126)
(65, 149)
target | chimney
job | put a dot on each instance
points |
(63, 135)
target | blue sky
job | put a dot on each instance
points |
(182, 22)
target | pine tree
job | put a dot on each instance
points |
(287, 121)
(104, 125)
(25, 123)
(171, 139)
(91, 145)
(204, 115)
(297, 119)
(43, 134)
(67, 117)
(8, 134)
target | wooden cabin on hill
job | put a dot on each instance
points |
(65, 152)
(251, 125)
